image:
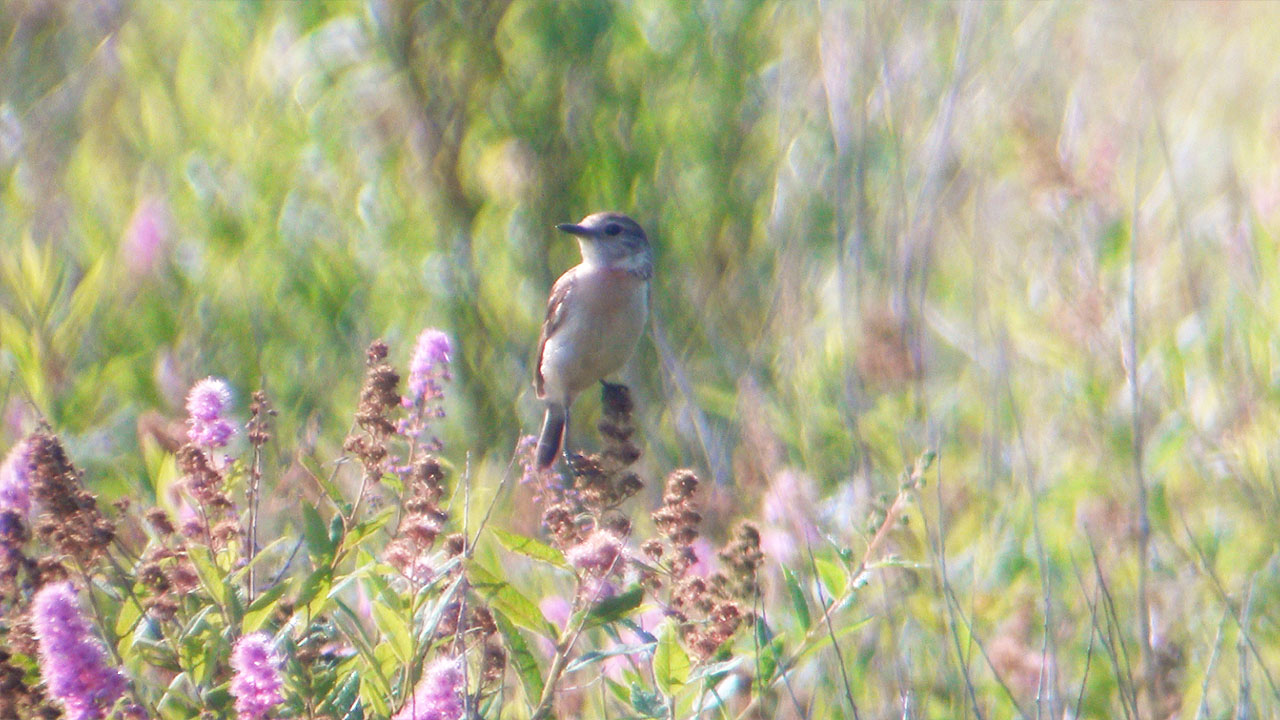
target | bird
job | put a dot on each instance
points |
(596, 314)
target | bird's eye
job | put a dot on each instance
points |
(612, 229)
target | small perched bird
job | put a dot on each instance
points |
(595, 316)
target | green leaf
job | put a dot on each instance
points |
(342, 699)
(199, 622)
(798, 603)
(313, 595)
(614, 608)
(596, 656)
(326, 483)
(769, 651)
(619, 691)
(715, 671)
(506, 599)
(197, 653)
(335, 531)
(646, 702)
(173, 703)
(529, 547)
(833, 576)
(365, 530)
(395, 628)
(823, 641)
(210, 577)
(522, 659)
(258, 558)
(261, 608)
(316, 533)
(428, 615)
(670, 662)
(128, 616)
(373, 696)
(337, 692)
(365, 647)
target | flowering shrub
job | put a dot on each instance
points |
(398, 599)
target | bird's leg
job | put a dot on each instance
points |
(571, 458)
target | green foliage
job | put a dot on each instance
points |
(529, 547)
(881, 229)
(670, 661)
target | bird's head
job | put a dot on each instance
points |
(613, 240)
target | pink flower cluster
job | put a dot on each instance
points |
(71, 658)
(256, 684)
(429, 366)
(15, 480)
(439, 694)
(599, 554)
(428, 371)
(206, 404)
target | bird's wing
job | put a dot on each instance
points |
(557, 309)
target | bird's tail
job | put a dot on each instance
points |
(551, 439)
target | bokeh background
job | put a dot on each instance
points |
(1036, 238)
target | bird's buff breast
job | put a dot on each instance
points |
(607, 313)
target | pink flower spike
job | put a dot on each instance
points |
(15, 480)
(206, 404)
(72, 660)
(256, 684)
(439, 694)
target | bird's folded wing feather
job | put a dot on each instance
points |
(557, 309)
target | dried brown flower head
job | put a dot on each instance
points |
(742, 556)
(482, 619)
(708, 608)
(378, 397)
(159, 521)
(260, 414)
(202, 480)
(13, 535)
(70, 522)
(493, 662)
(600, 481)
(455, 544)
(677, 520)
(48, 569)
(17, 698)
(559, 521)
(422, 523)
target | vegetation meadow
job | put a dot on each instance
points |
(959, 398)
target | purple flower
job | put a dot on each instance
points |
(71, 658)
(256, 684)
(439, 695)
(15, 480)
(428, 370)
(598, 554)
(206, 403)
(429, 366)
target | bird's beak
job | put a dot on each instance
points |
(572, 229)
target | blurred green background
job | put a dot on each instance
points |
(880, 228)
